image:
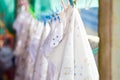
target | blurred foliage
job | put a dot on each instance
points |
(8, 8)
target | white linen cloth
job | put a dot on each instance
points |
(70, 57)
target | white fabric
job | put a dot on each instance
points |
(78, 46)
(71, 58)
(41, 69)
(35, 40)
(59, 51)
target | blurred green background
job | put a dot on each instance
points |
(8, 8)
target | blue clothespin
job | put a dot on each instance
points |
(58, 18)
(49, 18)
(54, 16)
(43, 19)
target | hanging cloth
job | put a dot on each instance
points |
(21, 52)
(31, 34)
(68, 55)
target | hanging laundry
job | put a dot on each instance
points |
(30, 35)
(69, 58)
(21, 47)
(56, 50)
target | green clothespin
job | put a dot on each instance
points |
(31, 12)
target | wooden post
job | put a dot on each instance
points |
(105, 25)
